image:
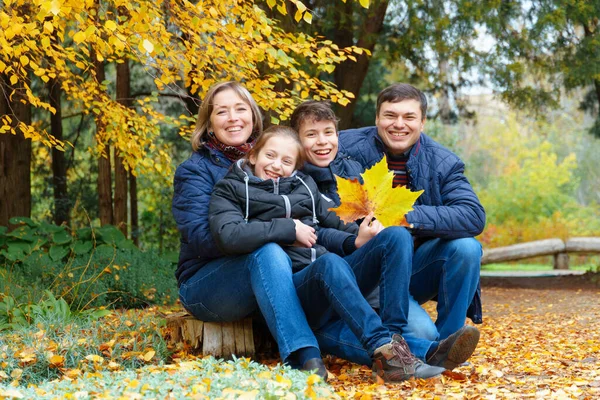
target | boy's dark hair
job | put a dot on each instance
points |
(314, 111)
(278, 130)
(400, 92)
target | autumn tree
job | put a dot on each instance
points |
(202, 43)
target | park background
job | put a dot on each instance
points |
(99, 99)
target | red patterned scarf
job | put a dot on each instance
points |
(233, 153)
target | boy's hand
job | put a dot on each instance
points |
(367, 230)
(305, 235)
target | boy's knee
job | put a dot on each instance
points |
(397, 234)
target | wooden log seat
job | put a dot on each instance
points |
(244, 338)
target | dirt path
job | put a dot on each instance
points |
(540, 340)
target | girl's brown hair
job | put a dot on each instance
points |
(206, 109)
(273, 131)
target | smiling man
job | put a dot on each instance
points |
(445, 219)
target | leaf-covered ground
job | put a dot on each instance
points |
(535, 343)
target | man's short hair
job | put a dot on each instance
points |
(399, 92)
(313, 110)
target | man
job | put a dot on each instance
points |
(446, 266)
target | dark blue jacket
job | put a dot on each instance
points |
(343, 166)
(193, 185)
(448, 207)
(247, 212)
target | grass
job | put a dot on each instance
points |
(519, 266)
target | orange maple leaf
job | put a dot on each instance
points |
(376, 195)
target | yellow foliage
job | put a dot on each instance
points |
(376, 195)
(196, 45)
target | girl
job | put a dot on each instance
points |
(264, 199)
(217, 287)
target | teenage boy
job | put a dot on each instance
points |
(443, 344)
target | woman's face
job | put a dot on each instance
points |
(231, 118)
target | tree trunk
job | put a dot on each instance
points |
(133, 205)
(105, 208)
(351, 75)
(123, 97)
(15, 156)
(59, 162)
(445, 113)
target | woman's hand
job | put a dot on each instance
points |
(367, 230)
(305, 235)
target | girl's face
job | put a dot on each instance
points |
(320, 141)
(231, 118)
(276, 159)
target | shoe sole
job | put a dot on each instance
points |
(463, 348)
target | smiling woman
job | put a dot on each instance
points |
(214, 287)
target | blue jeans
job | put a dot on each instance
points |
(332, 291)
(448, 269)
(231, 288)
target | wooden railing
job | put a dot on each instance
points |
(555, 247)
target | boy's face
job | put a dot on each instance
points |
(320, 141)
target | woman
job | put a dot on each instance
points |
(218, 288)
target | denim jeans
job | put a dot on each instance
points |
(231, 288)
(448, 269)
(332, 291)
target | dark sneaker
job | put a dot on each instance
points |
(317, 367)
(456, 348)
(393, 362)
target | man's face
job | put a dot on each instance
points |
(320, 141)
(399, 125)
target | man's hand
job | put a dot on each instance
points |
(305, 235)
(367, 230)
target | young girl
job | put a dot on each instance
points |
(265, 199)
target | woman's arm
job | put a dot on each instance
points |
(193, 185)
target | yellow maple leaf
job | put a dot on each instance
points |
(376, 195)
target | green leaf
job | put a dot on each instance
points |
(58, 252)
(126, 244)
(22, 220)
(84, 233)
(110, 234)
(23, 233)
(49, 228)
(61, 237)
(82, 247)
(3, 230)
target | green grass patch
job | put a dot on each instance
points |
(533, 267)
(55, 347)
(202, 379)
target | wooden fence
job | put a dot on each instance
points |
(554, 247)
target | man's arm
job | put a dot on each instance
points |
(460, 215)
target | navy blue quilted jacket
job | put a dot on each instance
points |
(448, 207)
(194, 181)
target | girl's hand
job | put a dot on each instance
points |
(367, 230)
(305, 235)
